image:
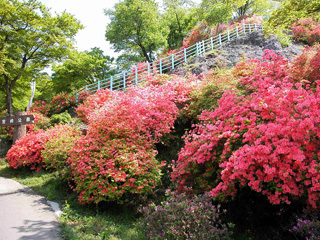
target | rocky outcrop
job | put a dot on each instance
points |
(249, 46)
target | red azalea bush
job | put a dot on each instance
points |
(117, 155)
(26, 152)
(105, 170)
(267, 140)
(39, 107)
(307, 30)
(200, 32)
(60, 103)
(306, 67)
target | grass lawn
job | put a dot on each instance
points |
(85, 222)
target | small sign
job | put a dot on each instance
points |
(16, 120)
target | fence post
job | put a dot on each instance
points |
(197, 48)
(249, 28)
(220, 39)
(160, 65)
(86, 87)
(211, 42)
(237, 31)
(228, 32)
(244, 28)
(148, 68)
(172, 61)
(111, 83)
(98, 84)
(76, 96)
(185, 54)
(124, 80)
(136, 75)
(203, 46)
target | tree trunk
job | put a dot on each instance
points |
(20, 130)
(144, 52)
(8, 96)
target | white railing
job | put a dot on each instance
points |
(138, 74)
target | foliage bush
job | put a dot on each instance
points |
(60, 141)
(266, 140)
(208, 92)
(307, 30)
(61, 118)
(26, 152)
(185, 217)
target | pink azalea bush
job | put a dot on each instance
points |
(306, 67)
(266, 140)
(117, 156)
(307, 30)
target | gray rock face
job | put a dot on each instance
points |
(249, 46)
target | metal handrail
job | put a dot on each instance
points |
(138, 74)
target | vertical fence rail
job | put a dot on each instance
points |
(170, 62)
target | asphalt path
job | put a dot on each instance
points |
(25, 215)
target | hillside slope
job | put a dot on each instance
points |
(228, 55)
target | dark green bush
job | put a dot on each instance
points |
(61, 118)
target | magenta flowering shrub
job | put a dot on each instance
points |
(267, 140)
(185, 217)
(308, 229)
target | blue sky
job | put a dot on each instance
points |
(91, 15)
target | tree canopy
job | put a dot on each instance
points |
(30, 39)
(291, 11)
(81, 68)
(179, 17)
(136, 27)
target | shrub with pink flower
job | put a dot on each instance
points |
(266, 140)
(307, 30)
(306, 67)
(117, 156)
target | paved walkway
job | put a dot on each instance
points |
(24, 215)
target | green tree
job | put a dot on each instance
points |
(136, 27)
(30, 39)
(81, 68)
(291, 11)
(179, 16)
(219, 11)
